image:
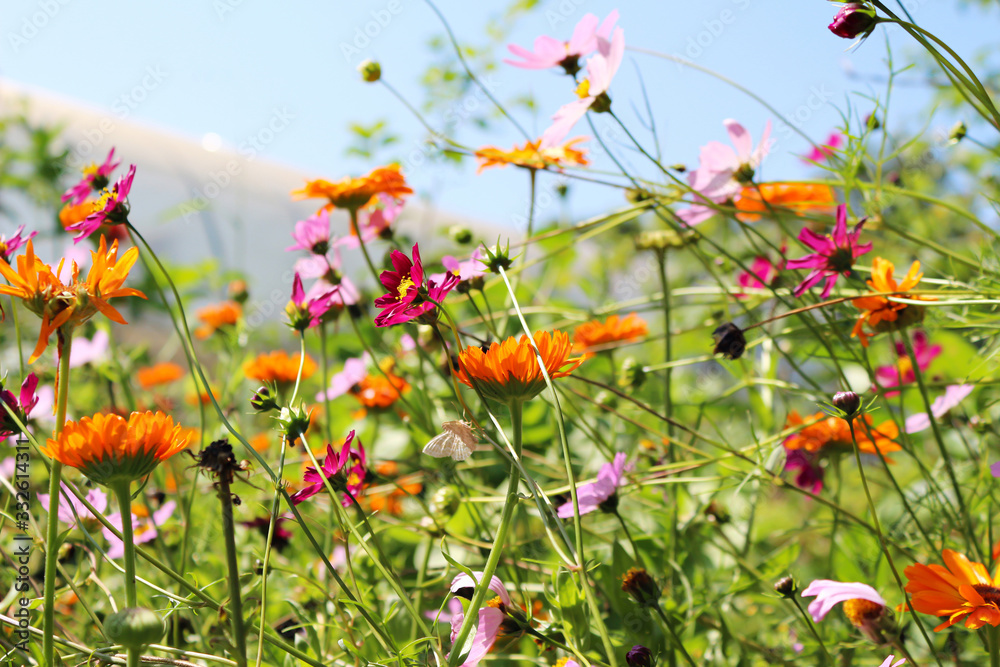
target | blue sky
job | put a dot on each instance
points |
(229, 66)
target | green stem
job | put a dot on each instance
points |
(17, 333)
(364, 248)
(326, 381)
(65, 337)
(993, 639)
(812, 628)
(235, 599)
(678, 644)
(506, 516)
(122, 491)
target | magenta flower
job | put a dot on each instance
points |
(9, 246)
(406, 299)
(723, 172)
(282, 536)
(355, 370)
(889, 662)
(763, 273)
(600, 494)
(901, 372)
(312, 234)
(94, 178)
(810, 475)
(22, 405)
(834, 256)
(111, 209)
(820, 153)
(346, 472)
(550, 52)
(852, 20)
(592, 91)
(829, 593)
(952, 396)
(490, 618)
(69, 509)
(470, 268)
(306, 311)
(143, 528)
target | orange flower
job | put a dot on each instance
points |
(378, 391)
(109, 448)
(71, 214)
(278, 367)
(262, 441)
(833, 432)
(391, 502)
(509, 371)
(882, 314)
(797, 198)
(530, 156)
(962, 590)
(356, 193)
(164, 373)
(71, 305)
(615, 328)
(217, 316)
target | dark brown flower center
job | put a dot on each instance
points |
(991, 594)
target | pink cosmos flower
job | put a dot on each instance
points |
(373, 224)
(550, 52)
(22, 405)
(901, 372)
(490, 618)
(94, 178)
(312, 234)
(143, 528)
(8, 467)
(404, 302)
(820, 153)
(601, 69)
(834, 256)
(355, 370)
(470, 268)
(594, 495)
(346, 471)
(829, 593)
(112, 208)
(889, 662)
(9, 246)
(70, 509)
(722, 172)
(952, 396)
(810, 475)
(454, 608)
(89, 350)
(763, 273)
(315, 307)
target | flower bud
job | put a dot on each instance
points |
(958, 132)
(632, 374)
(370, 70)
(134, 627)
(444, 503)
(729, 341)
(460, 234)
(852, 20)
(662, 239)
(639, 656)
(498, 258)
(643, 589)
(238, 292)
(847, 402)
(785, 587)
(293, 422)
(263, 400)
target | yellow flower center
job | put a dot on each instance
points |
(90, 170)
(404, 286)
(3, 248)
(103, 201)
(860, 612)
(353, 479)
(905, 366)
(583, 90)
(496, 603)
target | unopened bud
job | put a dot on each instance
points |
(460, 234)
(134, 627)
(729, 341)
(263, 400)
(639, 656)
(785, 587)
(847, 402)
(958, 132)
(643, 589)
(632, 374)
(370, 70)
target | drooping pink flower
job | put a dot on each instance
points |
(592, 91)
(143, 528)
(821, 153)
(852, 20)
(9, 246)
(95, 178)
(111, 209)
(722, 171)
(373, 224)
(551, 52)
(355, 370)
(490, 617)
(406, 285)
(345, 470)
(829, 593)
(835, 254)
(21, 405)
(70, 510)
(952, 396)
(763, 273)
(89, 350)
(313, 233)
(902, 372)
(594, 495)
(465, 270)
(810, 475)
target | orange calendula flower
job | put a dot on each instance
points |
(959, 590)
(530, 156)
(163, 373)
(509, 371)
(279, 367)
(379, 392)
(109, 448)
(356, 193)
(797, 198)
(833, 432)
(70, 305)
(216, 316)
(613, 329)
(879, 312)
